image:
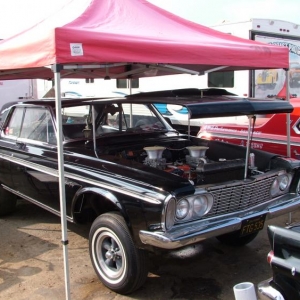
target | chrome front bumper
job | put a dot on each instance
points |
(267, 292)
(194, 232)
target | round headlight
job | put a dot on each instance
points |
(202, 204)
(283, 182)
(182, 209)
(274, 188)
(279, 185)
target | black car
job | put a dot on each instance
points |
(141, 184)
(284, 259)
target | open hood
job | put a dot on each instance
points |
(207, 103)
(226, 107)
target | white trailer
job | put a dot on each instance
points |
(17, 90)
(266, 83)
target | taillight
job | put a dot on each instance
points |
(270, 256)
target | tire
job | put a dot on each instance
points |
(233, 239)
(8, 202)
(122, 269)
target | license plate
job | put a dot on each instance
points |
(252, 225)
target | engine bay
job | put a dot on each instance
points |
(190, 162)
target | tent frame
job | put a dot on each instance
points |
(61, 176)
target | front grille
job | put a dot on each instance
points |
(240, 196)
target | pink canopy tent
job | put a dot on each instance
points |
(123, 39)
(127, 38)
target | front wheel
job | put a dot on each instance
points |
(118, 263)
(233, 238)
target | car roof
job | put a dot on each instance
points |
(7, 105)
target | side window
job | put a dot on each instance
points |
(13, 128)
(135, 115)
(75, 114)
(37, 125)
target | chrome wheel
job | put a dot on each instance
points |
(118, 263)
(109, 255)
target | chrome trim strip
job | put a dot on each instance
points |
(54, 211)
(142, 194)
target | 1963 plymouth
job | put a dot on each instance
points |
(140, 184)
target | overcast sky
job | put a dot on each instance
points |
(212, 12)
(16, 15)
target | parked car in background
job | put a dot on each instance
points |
(140, 184)
(269, 132)
(178, 115)
(284, 259)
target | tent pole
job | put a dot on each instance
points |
(62, 193)
(130, 92)
(288, 122)
(130, 86)
(288, 116)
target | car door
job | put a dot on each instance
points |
(34, 171)
(8, 146)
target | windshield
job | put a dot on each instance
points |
(112, 118)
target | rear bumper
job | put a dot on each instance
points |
(194, 232)
(267, 292)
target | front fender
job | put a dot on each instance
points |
(97, 191)
(103, 201)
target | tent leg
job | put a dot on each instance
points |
(62, 193)
(288, 116)
(288, 122)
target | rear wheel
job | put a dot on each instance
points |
(233, 238)
(118, 263)
(8, 202)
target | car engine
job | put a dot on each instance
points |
(190, 162)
